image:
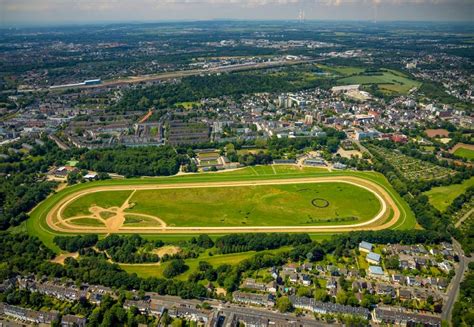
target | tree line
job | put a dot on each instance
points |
(232, 243)
(130, 162)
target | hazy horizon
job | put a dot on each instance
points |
(69, 12)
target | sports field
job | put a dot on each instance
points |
(465, 153)
(254, 199)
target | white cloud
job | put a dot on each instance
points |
(122, 10)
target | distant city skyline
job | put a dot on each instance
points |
(31, 12)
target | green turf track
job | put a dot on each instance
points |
(36, 225)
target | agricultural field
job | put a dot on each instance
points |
(441, 197)
(125, 214)
(388, 81)
(412, 168)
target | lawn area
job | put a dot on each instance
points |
(441, 197)
(464, 153)
(208, 155)
(251, 151)
(87, 222)
(107, 214)
(156, 270)
(139, 221)
(342, 70)
(188, 105)
(363, 264)
(265, 205)
(389, 81)
(102, 199)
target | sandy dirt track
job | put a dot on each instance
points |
(56, 221)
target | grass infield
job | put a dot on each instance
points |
(37, 225)
(266, 205)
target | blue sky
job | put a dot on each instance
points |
(19, 12)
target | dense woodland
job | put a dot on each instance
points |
(75, 243)
(257, 242)
(143, 161)
(22, 184)
(125, 249)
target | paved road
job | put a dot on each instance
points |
(453, 289)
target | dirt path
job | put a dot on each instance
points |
(467, 215)
(56, 222)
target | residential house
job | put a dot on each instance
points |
(376, 272)
(310, 304)
(251, 284)
(373, 258)
(73, 321)
(306, 280)
(404, 294)
(365, 247)
(398, 316)
(266, 300)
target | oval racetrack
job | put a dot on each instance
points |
(57, 222)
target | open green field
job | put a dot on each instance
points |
(139, 221)
(156, 270)
(103, 199)
(87, 222)
(441, 197)
(342, 70)
(188, 104)
(389, 81)
(36, 225)
(268, 205)
(464, 153)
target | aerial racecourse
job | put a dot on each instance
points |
(299, 204)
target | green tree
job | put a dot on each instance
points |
(283, 304)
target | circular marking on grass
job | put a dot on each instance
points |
(379, 191)
(320, 203)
